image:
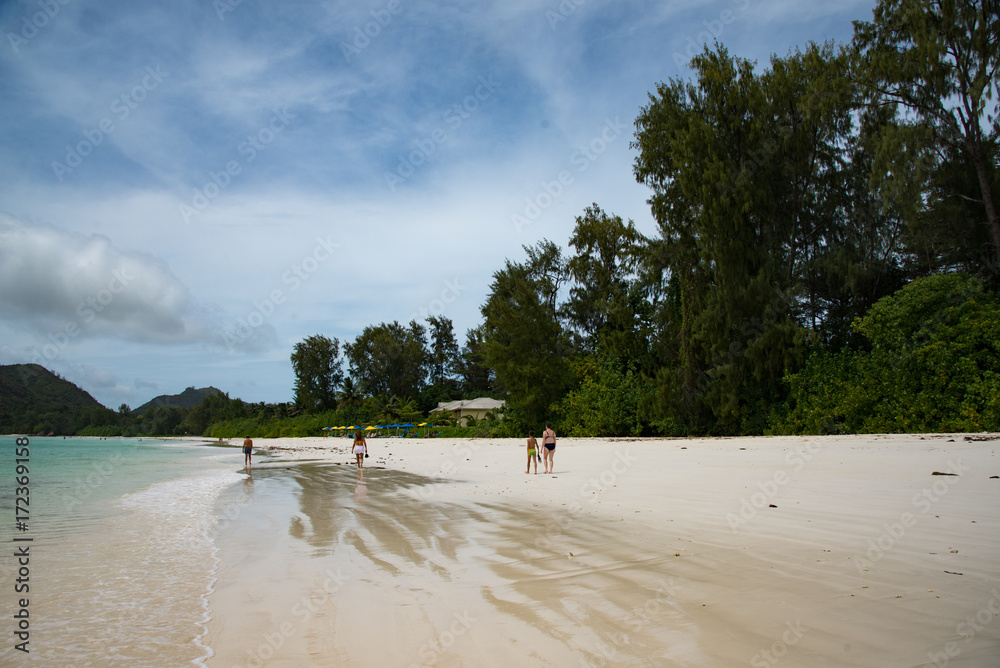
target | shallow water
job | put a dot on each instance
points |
(122, 553)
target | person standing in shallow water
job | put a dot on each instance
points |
(549, 441)
(360, 448)
(247, 451)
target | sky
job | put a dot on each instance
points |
(188, 189)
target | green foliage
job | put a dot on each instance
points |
(389, 359)
(609, 400)
(318, 372)
(605, 301)
(936, 64)
(749, 198)
(443, 353)
(933, 366)
(524, 342)
(35, 400)
(476, 379)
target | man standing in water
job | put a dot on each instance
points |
(247, 451)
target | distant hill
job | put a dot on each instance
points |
(32, 385)
(189, 398)
(32, 397)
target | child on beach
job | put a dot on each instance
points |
(532, 452)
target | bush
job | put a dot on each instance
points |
(933, 366)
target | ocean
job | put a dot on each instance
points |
(115, 558)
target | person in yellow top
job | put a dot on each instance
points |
(532, 452)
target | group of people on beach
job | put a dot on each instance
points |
(360, 449)
(548, 454)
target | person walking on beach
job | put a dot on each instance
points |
(549, 441)
(247, 452)
(532, 452)
(360, 448)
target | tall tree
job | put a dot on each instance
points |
(605, 299)
(937, 62)
(745, 169)
(523, 340)
(476, 378)
(318, 372)
(443, 353)
(389, 359)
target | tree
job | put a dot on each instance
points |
(476, 378)
(609, 400)
(523, 341)
(605, 299)
(443, 352)
(937, 62)
(349, 394)
(318, 372)
(748, 192)
(389, 359)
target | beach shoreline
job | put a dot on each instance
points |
(820, 551)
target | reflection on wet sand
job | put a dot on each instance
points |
(586, 589)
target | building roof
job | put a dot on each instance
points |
(478, 404)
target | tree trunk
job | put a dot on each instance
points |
(991, 212)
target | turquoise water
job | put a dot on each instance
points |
(76, 481)
(122, 553)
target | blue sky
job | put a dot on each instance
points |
(188, 189)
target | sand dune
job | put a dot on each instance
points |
(836, 551)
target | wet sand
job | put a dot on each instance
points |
(634, 553)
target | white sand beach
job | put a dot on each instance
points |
(799, 551)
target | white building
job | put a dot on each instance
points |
(477, 408)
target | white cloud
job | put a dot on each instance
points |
(86, 284)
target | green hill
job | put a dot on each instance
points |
(33, 400)
(189, 398)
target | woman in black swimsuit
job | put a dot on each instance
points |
(549, 441)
